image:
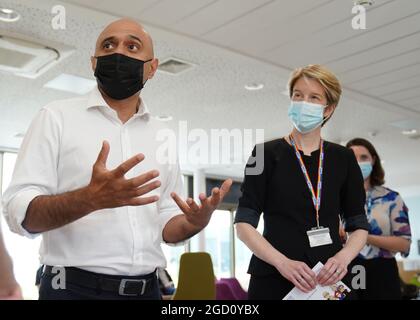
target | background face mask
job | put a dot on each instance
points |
(306, 116)
(119, 76)
(366, 168)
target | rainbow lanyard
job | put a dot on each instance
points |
(316, 199)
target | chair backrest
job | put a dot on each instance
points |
(196, 280)
(223, 291)
(238, 292)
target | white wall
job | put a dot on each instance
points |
(413, 204)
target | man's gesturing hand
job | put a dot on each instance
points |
(110, 189)
(199, 215)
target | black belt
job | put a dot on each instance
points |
(121, 285)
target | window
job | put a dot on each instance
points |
(243, 256)
(194, 244)
(173, 253)
(24, 252)
(218, 242)
(9, 160)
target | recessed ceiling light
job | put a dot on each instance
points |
(164, 117)
(70, 83)
(409, 132)
(9, 15)
(254, 86)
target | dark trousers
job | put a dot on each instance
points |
(269, 287)
(77, 291)
(382, 279)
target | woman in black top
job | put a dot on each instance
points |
(282, 180)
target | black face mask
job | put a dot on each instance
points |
(119, 76)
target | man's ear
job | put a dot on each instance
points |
(154, 64)
(93, 63)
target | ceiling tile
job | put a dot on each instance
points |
(253, 26)
(168, 12)
(404, 95)
(395, 86)
(387, 78)
(381, 67)
(217, 15)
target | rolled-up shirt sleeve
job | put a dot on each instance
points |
(167, 206)
(353, 197)
(35, 171)
(251, 202)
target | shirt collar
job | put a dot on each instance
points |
(95, 100)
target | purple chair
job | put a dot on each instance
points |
(223, 291)
(235, 287)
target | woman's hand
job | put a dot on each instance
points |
(336, 267)
(299, 274)
(334, 270)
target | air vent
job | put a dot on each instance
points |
(22, 56)
(175, 66)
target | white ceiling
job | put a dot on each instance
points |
(235, 42)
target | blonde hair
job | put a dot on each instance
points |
(324, 76)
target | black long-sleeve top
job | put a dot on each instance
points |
(281, 193)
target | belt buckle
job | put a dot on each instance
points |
(123, 284)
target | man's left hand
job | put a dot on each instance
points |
(199, 215)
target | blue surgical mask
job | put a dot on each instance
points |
(306, 116)
(366, 168)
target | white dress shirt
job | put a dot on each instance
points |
(57, 155)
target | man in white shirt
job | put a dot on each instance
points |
(104, 225)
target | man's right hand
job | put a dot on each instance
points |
(13, 293)
(110, 188)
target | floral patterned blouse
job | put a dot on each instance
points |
(388, 216)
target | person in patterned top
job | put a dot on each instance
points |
(389, 232)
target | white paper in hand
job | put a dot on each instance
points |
(336, 291)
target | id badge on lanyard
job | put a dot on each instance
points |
(318, 236)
